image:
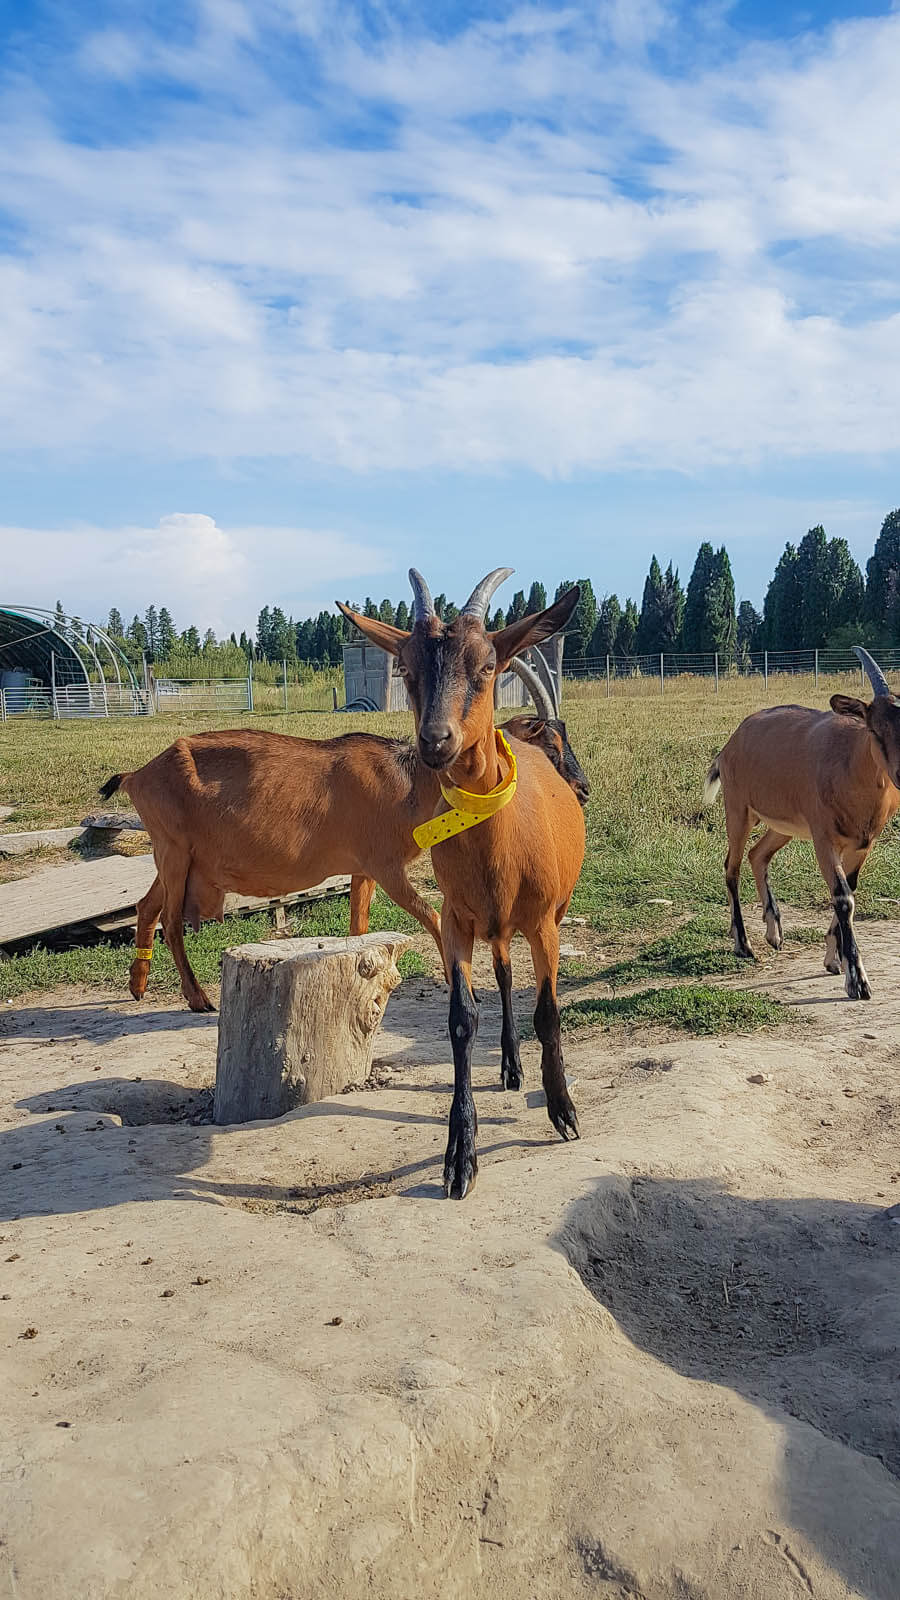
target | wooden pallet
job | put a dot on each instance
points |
(104, 893)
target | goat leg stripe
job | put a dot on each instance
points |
(467, 810)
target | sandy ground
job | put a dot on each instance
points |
(273, 1362)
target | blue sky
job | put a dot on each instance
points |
(295, 293)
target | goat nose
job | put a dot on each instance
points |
(434, 737)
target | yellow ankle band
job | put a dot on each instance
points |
(144, 955)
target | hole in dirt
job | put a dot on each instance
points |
(138, 1102)
(792, 1301)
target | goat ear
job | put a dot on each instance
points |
(846, 705)
(381, 633)
(508, 642)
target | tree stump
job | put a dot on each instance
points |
(298, 1019)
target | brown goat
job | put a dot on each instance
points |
(516, 870)
(264, 814)
(829, 776)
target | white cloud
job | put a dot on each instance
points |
(212, 576)
(561, 256)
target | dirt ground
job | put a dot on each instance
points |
(662, 1363)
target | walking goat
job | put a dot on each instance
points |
(515, 868)
(264, 814)
(829, 776)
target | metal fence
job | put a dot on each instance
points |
(202, 694)
(649, 673)
(72, 700)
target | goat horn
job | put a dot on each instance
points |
(876, 676)
(423, 605)
(481, 596)
(543, 703)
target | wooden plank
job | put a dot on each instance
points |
(94, 891)
(58, 896)
(19, 844)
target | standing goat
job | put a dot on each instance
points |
(264, 814)
(516, 864)
(829, 776)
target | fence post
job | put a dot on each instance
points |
(662, 674)
(2, 705)
(717, 672)
(53, 685)
(334, 697)
(766, 668)
(817, 669)
(284, 674)
(607, 677)
(249, 683)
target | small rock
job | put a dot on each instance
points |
(850, 1092)
(146, 1261)
(574, 922)
(335, 1322)
(64, 1424)
(199, 1280)
(29, 1333)
(569, 953)
(760, 1077)
(870, 1036)
(660, 902)
(167, 1294)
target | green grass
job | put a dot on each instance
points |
(107, 965)
(691, 1007)
(648, 838)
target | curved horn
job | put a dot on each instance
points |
(532, 682)
(481, 596)
(423, 605)
(876, 676)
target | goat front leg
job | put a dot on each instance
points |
(545, 955)
(148, 914)
(831, 866)
(510, 1062)
(461, 1161)
(401, 891)
(739, 825)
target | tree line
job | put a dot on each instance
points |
(817, 598)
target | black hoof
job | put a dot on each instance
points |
(745, 953)
(858, 989)
(460, 1162)
(511, 1075)
(562, 1114)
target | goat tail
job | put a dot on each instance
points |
(112, 784)
(712, 785)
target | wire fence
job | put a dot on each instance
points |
(617, 675)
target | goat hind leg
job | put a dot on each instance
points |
(544, 944)
(760, 858)
(148, 912)
(175, 876)
(739, 826)
(510, 1062)
(362, 893)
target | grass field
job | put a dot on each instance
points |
(652, 882)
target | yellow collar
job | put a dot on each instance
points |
(467, 810)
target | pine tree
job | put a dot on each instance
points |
(264, 634)
(282, 637)
(626, 632)
(537, 599)
(882, 600)
(649, 633)
(749, 632)
(720, 619)
(232, 639)
(209, 641)
(190, 641)
(151, 623)
(401, 616)
(137, 634)
(440, 602)
(781, 607)
(609, 615)
(497, 621)
(370, 609)
(580, 628)
(451, 611)
(167, 635)
(386, 612)
(115, 626)
(244, 643)
(695, 631)
(516, 610)
(305, 640)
